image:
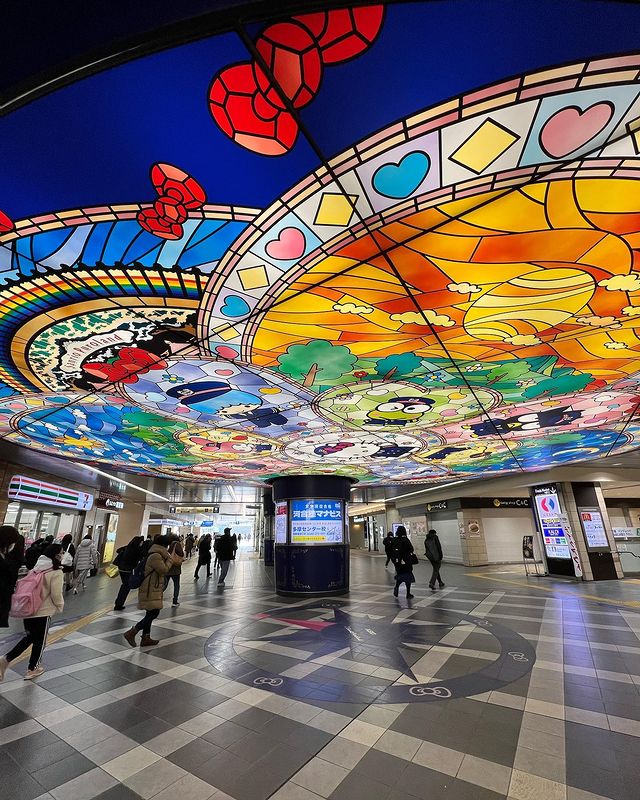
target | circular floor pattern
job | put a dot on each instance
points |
(285, 651)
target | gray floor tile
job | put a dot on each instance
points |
(381, 767)
(358, 787)
(63, 771)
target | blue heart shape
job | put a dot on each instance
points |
(234, 306)
(402, 179)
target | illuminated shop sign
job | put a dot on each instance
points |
(28, 490)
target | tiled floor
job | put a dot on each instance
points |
(250, 696)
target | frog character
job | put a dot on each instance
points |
(399, 412)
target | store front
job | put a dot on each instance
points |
(39, 509)
(105, 526)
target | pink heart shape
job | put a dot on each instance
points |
(226, 352)
(570, 128)
(289, 244)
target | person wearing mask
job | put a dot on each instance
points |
(37, 627)
(204, 555)
(227, 546)
(85, 560)
(175, 548)
(433, 551)
(404, 560)
(158, 563)
(9, 538)
(388, 544)
(126, 559)
(68, 555)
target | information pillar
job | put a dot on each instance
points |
(311, 535)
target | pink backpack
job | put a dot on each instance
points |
(27, 598)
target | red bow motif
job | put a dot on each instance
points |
(178, 193)
(6, 224)
(247, 101)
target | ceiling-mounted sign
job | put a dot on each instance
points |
(110, 500)
(441, 505)
(29, 490)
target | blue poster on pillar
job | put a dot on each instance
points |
(317, 522)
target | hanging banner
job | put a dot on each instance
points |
(281, 523)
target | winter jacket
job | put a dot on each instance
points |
(52, 583)
(158, 564)
(86, 556)
(432, 547)
(204, 550)
(128, 556)
(225, 549)
(387, 543)
(402, 558)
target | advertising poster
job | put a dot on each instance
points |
(554, 533)
(593, 527)
(527, 548)
(281, 523)
(626, 533)
(316, 522)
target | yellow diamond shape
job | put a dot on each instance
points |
(482, 148)
(253, 277)
(335, 209)
(226, 334)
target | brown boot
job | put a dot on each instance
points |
(147, 641)
(130, 636)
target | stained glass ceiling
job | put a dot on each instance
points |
(377, 241)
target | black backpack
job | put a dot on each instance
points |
(137, 576)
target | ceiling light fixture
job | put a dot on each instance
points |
(126, 483)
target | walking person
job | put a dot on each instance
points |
(388, 544)
(189, 543)
(68, 555)
(157, 565)
(227, 546)
(433, 551)
(216, 560)
(36, 627)
(404, 559)
(175, 548)
(9, 540)
(126, 559)
(204, 556)
(85, 560)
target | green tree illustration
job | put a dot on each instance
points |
(399, 365)
(317, 361)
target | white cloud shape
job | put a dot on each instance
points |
(631, 311)
(428, 314)
(622, 283)
(524, 339)
(352, 308)
(464, 288)
(615, 345)
(598, 322)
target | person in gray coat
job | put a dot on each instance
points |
(85, 560)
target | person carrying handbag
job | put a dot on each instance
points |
(68, 554)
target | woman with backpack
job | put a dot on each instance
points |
(126, 559)
(42, 590)
(156, 567)
(9, 538)
(404, 559)
(85, 560)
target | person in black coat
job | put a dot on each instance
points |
(433, 551)
(126, 559)
(403, 559)
(204, 555)
(388, 543)
(226, 550)
(9, 538)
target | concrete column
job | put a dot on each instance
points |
(474, 548)
(392, 516)
(132, 521)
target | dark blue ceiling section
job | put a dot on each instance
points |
(93, 142)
